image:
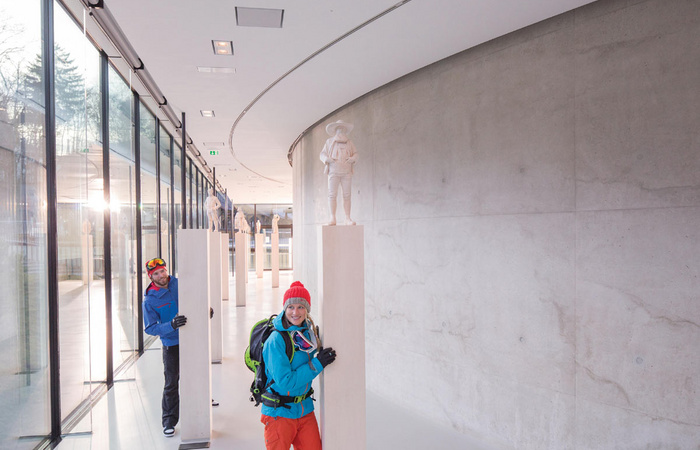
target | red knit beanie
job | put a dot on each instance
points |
(297, 293)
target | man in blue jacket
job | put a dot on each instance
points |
(161, 319)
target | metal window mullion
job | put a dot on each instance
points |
(51, 217)
(104, 82)
(171, 200)
(192, 186)
(139, 223)
(183, 173)
(200, 181)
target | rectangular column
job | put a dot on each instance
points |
(195, 347)
(225, 266)
(342, 322)
(241, 274)
(88, 259)
(275, 260)
(217, 338)
(259, 254)
(247, 256)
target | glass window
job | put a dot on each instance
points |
(265, 213)
(149, 205)
(203, 198)
(225, 213)
(177, 200)
(198, 210)
(24, 374)
(123, 219)
(165, 189)
(81, 205)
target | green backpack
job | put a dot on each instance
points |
(254, 357)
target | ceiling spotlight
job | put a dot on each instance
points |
(207, 113)
(222, 47)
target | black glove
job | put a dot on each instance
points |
(211, 312)
(326, 356)
(178, 321)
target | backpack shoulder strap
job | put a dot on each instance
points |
(289, 347)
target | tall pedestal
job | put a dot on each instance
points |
(259, 254)
(275, 260)
(225, 268)
(217, 337)
(195, 347)
(241, 275)
(342, 314)
(88, 260)
(247, 256)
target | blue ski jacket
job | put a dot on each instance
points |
(159, 308)
(290, 379)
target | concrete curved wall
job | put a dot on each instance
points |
(531, 212)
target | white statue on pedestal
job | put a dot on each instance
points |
(339, 157)
(240, 223)
(275, 219)
(212, 205)
(257, 227)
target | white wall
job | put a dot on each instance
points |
(532, 211)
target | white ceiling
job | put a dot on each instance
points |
(173, 38)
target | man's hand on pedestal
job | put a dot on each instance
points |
(178, 321)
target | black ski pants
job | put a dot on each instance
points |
(171, 391)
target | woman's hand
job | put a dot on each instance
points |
(326, 356)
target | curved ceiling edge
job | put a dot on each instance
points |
(290, 71)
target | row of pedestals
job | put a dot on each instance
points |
(203, 284)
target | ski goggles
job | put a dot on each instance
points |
(303, 343)
(153, 264)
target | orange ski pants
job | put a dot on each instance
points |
(281, 433)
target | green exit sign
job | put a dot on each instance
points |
(213, 152)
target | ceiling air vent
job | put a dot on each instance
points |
(259, 17)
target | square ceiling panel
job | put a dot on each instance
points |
(259, 17)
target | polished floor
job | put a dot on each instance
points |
(128, 416)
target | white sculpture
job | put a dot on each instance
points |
(257, 227)
(275, 219)
(339, 156)
(87, 227)
(212, 205)
(240, 223)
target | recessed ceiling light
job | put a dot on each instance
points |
(259, 17)
(213, 144)
(222, 47)
(207, 113)
(216, 69)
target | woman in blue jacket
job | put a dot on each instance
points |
(288, 409)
